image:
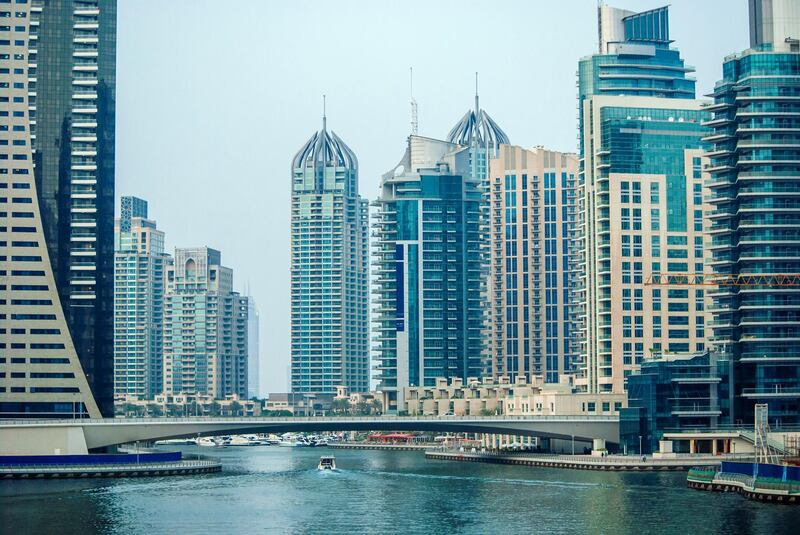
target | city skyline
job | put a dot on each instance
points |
(372, 113)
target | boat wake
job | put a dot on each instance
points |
(493, 480)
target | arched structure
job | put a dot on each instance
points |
(79, 436)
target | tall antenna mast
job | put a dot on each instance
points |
(414, 117)
(477, 108)
(324, 112)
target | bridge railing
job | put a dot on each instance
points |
(299, 419)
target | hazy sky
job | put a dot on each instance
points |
(214, 98)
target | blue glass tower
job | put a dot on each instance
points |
(428, 270)
(755, 222)
(634, 59)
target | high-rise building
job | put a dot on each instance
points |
(253, 353)
(205, 327)
(72, 75)
(482, 137)
(428, 269)
(529, 300)
(640, 201)
(330, 301)
(138, 302)
(130, 207)
(755, 218)
(40, 373)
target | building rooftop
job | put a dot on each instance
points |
(325, 149)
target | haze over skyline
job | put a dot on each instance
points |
(212, 104)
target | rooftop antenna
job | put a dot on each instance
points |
(414, 117)
(476, 94)
(324, 117)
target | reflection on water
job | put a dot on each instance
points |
(272, 489)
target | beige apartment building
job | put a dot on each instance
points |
(504, 397)
(642, 203)
(531, 217)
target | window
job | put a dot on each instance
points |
(654, 193)
(636, 196)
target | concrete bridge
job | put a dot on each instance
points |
(79, 436)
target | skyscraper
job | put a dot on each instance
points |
(72, 71)
(531, 217)
(40, 373)
(253, 350)
(428, 269)
(755, 221)
(330, 302)
(482, 137)
(640, 195)
(138, 302)
(205, 327)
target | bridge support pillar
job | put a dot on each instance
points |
(599, 447)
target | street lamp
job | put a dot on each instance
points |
(640, 444)
(573, 444)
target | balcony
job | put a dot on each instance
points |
(774, 392)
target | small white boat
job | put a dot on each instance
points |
(327, 462)
(239, 440)
(206, 441)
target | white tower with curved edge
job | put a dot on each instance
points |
(40, 374)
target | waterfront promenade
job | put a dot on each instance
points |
(614, 463)
(139, 469)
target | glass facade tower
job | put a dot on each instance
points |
(755, 222)
(72, 71)
(640, 201)
(329, 267)
(428, 269)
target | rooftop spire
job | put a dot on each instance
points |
(477, 108)
(414, 119)
(324, 116)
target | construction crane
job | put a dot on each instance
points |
(722, 279)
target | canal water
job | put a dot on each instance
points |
(268, 489)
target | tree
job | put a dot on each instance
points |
(362, 408)
(340, 406)
(236, 408)
(377, 406)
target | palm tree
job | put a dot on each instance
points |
(340, 406)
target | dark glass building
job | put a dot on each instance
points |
(72, 66)
(755, 221)
(674, 393)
